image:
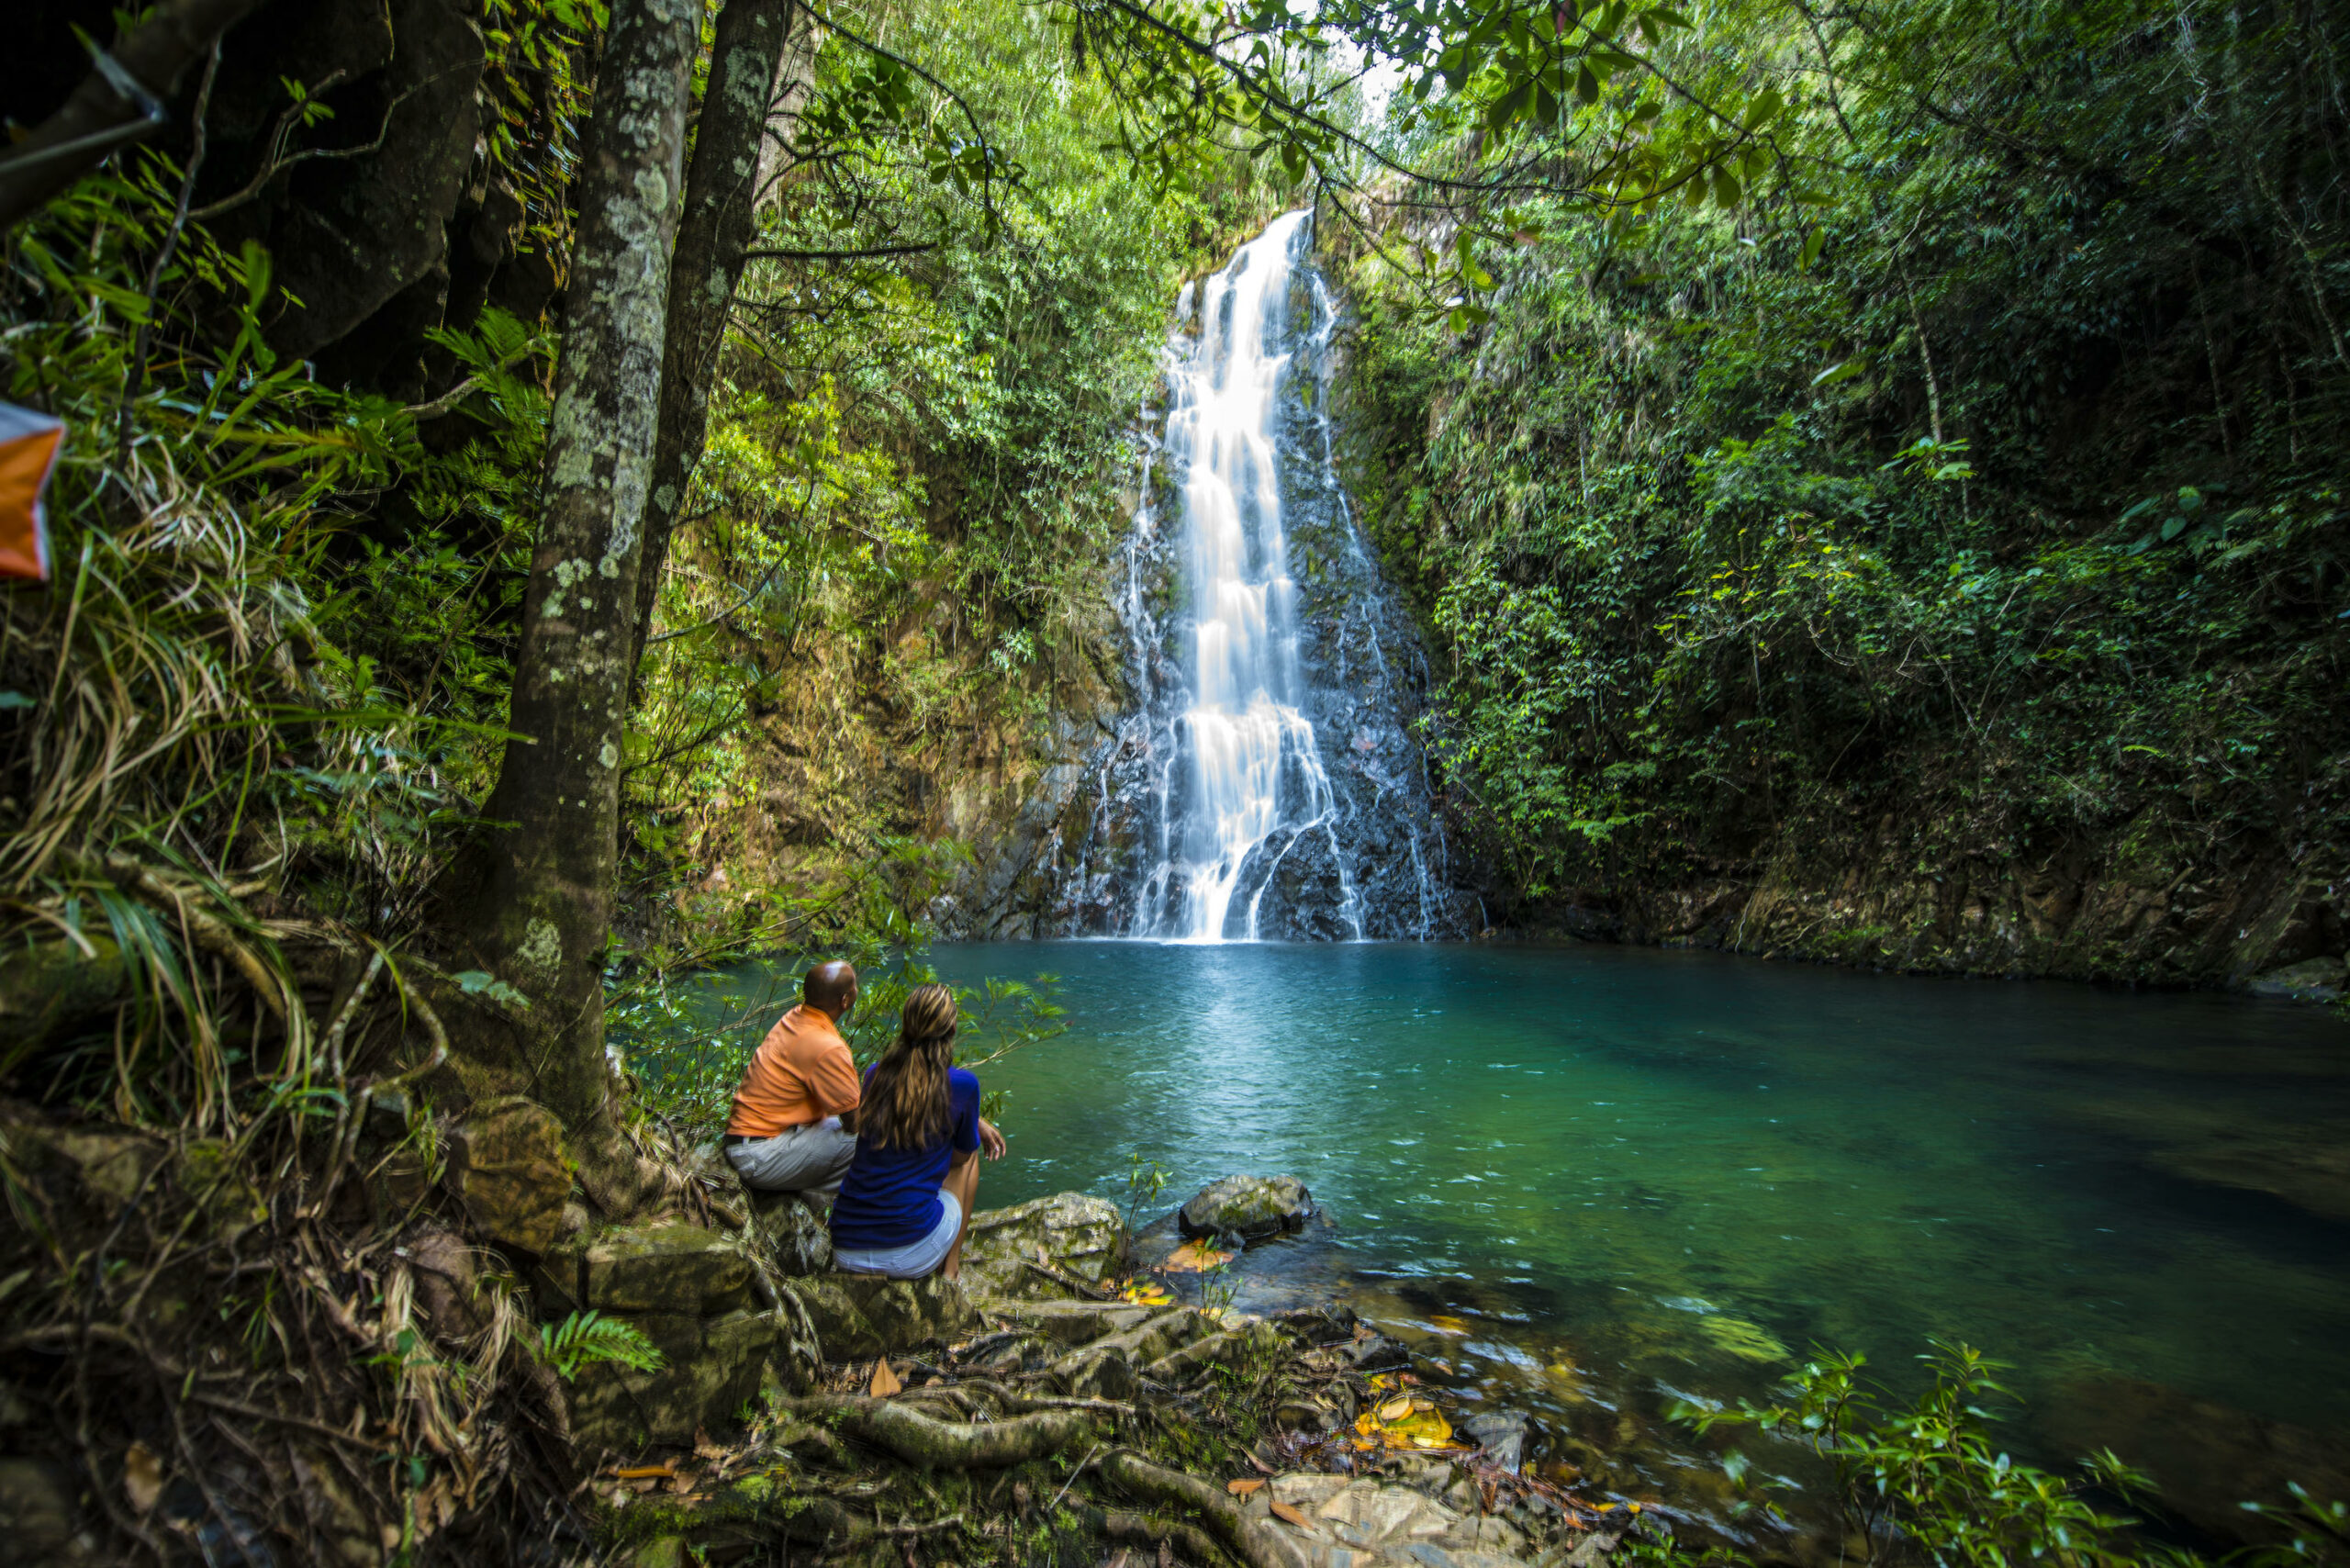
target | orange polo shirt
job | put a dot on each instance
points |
(800, 1073)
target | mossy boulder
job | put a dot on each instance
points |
(791, 1233)
(506, 1163)
(2312, 979)
(1254, 1208)
(1074, 1233)
(676, 1269)
(861, 1316)
(709, 1374)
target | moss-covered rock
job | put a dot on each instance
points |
(506, 1161)
(709, 1374)
(1075, 1233)
(1254, 1208)
(860, 1315)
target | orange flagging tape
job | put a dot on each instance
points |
(28, 443)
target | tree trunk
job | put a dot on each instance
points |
(761, 62)
(532, 899)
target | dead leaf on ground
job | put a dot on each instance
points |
(1282, 1510)
(682, 1482)
(142, 1477)
(885, 1380)
(1243, 1488)
(705, 1448)
(1194, 1257)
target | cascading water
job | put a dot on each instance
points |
(1253, 764)
(1260, 634)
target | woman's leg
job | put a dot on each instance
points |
(963, 1181)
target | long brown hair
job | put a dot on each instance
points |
(906, 1105)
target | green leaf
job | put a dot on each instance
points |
(1842, 371)
(1812, 243)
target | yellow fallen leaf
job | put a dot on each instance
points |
(885, 1381)
(142, 1477)
(1193, 1256)
(1395, 1410)
(1282, 1510)
(1243, 1488)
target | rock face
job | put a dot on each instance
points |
(1078, 1233)
(1254, 1208)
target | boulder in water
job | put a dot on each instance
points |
(1254, 1208)
(2312, 979)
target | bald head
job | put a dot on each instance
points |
(829, 986)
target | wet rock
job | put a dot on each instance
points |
(1254, 1208)
(709, 1373)
(1501, 1433)
(791, 1233)
(861, 1316)
(505, 1163)
(2312, 979)
(1077, 1234)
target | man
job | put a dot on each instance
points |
(787, 1133)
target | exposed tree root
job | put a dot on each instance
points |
(1124, 1524)
(932, 1444)
(1251, 1541)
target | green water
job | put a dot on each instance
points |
(1623, 1175)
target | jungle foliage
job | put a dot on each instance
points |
(1981, 467)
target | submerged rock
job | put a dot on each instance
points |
(1501, 1433)
(1254, 1208)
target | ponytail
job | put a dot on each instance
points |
(906, 1105)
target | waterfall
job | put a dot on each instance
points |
(1260, 632)
(1253, 764)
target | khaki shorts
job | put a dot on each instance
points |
(812, 1158)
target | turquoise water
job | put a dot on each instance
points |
(1619, 1175)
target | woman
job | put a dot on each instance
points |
(907, 1200)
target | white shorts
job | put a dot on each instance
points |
(916, 1259)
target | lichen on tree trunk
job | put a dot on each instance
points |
(762, 61)
(532, 899)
